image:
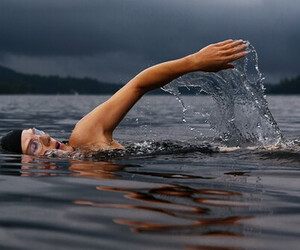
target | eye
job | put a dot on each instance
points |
(35, 147)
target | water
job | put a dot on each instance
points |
(181, 192)
(241, 115)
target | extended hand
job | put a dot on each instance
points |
(218, 56)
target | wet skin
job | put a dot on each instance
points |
(33, 144)
(95, 130)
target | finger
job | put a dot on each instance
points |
(235, 50)
(237, 56)
(224, 42)
(233, 44)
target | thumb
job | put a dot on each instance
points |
(228, 66)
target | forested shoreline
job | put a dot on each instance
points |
(12, 82)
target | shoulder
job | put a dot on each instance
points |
(95, 144)
(92, 138)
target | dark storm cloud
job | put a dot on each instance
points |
(84, 27)
(147, 31)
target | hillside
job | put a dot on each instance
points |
(285, 87)
(12, 82)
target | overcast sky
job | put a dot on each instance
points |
(113, 40)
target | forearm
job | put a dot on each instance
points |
(212, 58)
(161, 74)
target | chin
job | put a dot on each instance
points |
(66, 148)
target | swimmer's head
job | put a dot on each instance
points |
(31, 142)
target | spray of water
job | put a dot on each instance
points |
(240, 116)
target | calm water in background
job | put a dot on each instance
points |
(175, 197)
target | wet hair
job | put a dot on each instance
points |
(12, 141)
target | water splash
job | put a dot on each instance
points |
(137, 149)
(241, 116)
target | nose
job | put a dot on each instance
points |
(45, 139)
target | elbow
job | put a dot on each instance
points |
(141, 90)
(138, 86)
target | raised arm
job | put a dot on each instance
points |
(99, 124)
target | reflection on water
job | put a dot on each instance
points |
(195, 208)
(191, 247)
(101, 170)
(161, 202)
(195, 211)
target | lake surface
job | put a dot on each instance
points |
(177, 192)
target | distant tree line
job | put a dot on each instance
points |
(12, 82)
(285, 87)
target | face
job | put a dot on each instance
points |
(36, 142)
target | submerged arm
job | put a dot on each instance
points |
(99, 124)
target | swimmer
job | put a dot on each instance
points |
(95, 130)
